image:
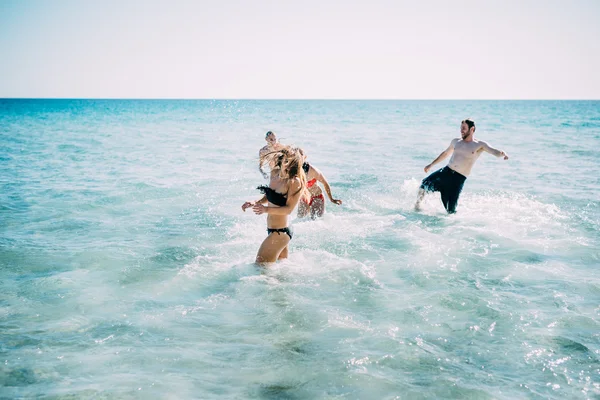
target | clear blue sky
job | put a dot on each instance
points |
(361, 49)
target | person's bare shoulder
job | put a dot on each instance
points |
(314, 170)
(481, 144)
(295, 185)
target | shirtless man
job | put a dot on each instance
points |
(272, 145)
(449, 180)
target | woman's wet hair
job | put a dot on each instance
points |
(288, 160)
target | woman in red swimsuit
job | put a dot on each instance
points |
(316, 205)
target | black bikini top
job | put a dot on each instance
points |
(274, 197)
(306, 167)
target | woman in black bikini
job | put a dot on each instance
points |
(286, 186)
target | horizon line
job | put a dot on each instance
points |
(291, 99)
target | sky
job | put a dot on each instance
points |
(301, 49)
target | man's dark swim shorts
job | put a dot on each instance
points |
(449, 183)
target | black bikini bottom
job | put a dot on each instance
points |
(282, 230)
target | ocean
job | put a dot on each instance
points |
(127, 266)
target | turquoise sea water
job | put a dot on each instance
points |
(126, 263)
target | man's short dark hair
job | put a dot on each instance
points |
(470, 123)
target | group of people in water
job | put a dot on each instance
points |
(294, 182)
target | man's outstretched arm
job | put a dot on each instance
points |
(495, 152)
(261, 152)
(442, 155)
